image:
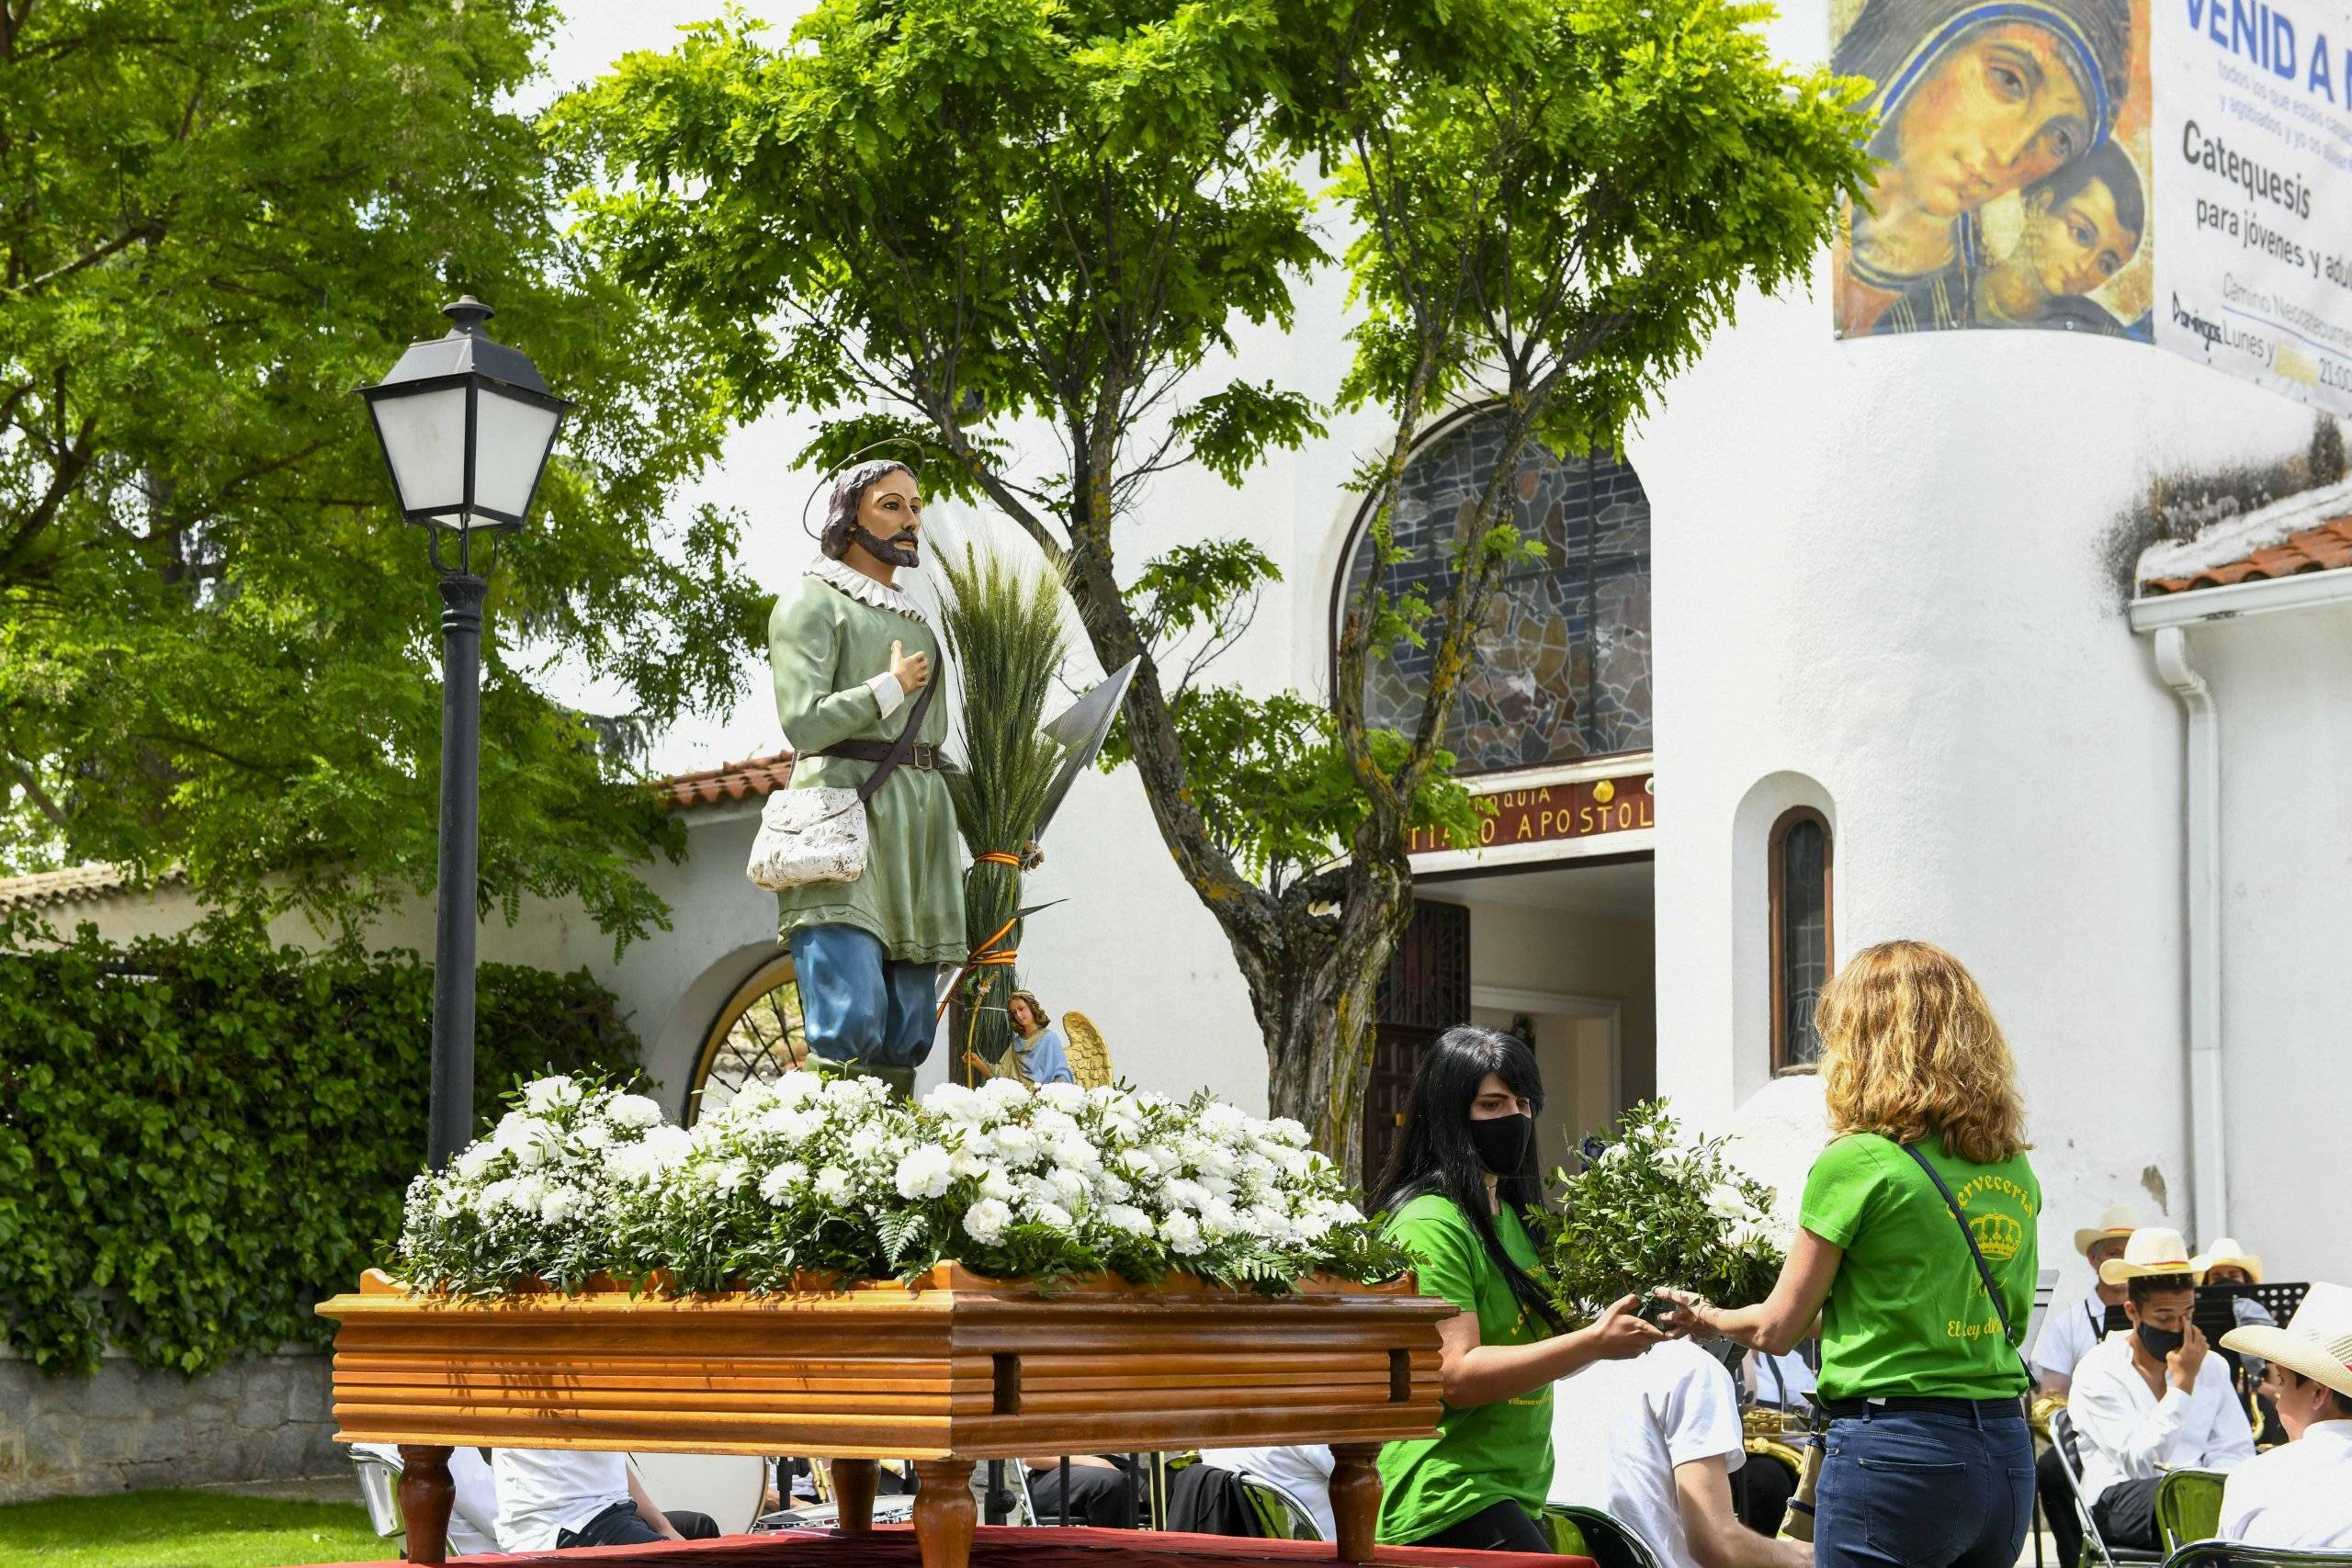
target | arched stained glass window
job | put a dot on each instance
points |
(756, 1038)
(1563, 666)
(1801, 952)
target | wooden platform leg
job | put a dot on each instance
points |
(427, 1493)
(945, 1512)
(854, 1481)
(1355, 1498)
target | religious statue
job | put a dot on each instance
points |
(850, 653)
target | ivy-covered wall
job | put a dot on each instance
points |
(202, 1137)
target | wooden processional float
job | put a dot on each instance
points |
(947, 1371)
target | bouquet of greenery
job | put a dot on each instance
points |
(1003, 621)
(816, 1175)
(1654, 1208)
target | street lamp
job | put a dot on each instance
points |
(466, 425)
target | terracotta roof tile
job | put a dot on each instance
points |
(754, 779)
(74, 884)
(2324, 548)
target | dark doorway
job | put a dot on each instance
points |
(1425, 993)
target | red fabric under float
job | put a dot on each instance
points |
(998, 1547)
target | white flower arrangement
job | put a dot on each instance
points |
(819, 1179)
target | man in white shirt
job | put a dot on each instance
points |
(1653, 1440)
(2068, 1336)
(555, 1499)
(2152, 1399)
(2073, 1327)
(2299, 1495)
(1302, 1471)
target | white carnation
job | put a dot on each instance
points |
(1126, 1217)
(985, 1220)
(833, 1184)
(475, 1163)
(560, 1204)
(1183, 1233)
(543, 1095)
(782, 1181)
(925, 1172)
(633, 1110)
(1064, 1097)
(1051, 1214)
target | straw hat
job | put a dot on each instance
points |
(2151, 1251)
(2120, 1219)
(2226, 1251)
(2316, 1342)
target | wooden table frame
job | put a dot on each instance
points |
(958, 1370)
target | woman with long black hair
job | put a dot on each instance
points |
(1463, 1169)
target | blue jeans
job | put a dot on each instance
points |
(1924, 1489)
(856, 1004)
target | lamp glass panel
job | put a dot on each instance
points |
(425, 442)
(514, 440)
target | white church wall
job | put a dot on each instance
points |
(2282, 686)
(1878, 565)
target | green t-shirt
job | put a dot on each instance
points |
(1486, 1452)
(1908, 1314)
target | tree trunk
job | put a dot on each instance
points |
(1314, 988)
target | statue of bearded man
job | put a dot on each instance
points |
(849, 651)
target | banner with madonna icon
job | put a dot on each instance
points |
(2032, 154)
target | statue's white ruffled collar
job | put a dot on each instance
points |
(864, 589)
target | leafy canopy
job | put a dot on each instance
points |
(218, 651)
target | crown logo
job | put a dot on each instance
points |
(1998, 1237)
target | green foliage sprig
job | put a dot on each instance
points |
(202, 1136)
(1655, 1208)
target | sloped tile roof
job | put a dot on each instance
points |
(2324, 548)
(754, 779)
(74, 885)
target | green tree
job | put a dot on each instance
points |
(218, 651)
(957, 220)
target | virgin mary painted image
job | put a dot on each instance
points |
(2012, 185)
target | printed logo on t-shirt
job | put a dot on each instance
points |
(2000, 1214)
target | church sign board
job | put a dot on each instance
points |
(1584, 809)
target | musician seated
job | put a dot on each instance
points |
(2299, 1495)
(1302, 1471)
(2151, 1400)
(555, 1499)
(1100, 1494)
(1653, 1440)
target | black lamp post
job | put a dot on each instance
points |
(467, 425)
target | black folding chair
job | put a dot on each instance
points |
(2062, 1436)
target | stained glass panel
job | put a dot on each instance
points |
(762, 1045)
(1562, 669)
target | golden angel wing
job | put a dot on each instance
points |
(1090, 1058)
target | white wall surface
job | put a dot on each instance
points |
(2282, 686)
(1876, 566)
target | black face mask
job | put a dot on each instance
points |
(2159, 1342)
(1502, 1142)
(899, 550)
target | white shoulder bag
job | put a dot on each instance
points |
(819, 835)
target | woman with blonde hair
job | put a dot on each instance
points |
(1921, 1207)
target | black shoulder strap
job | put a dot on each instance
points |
(1992, 1286)
(904, 746)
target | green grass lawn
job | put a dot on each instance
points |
(185, 1529)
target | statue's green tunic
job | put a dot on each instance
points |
(823, 646)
